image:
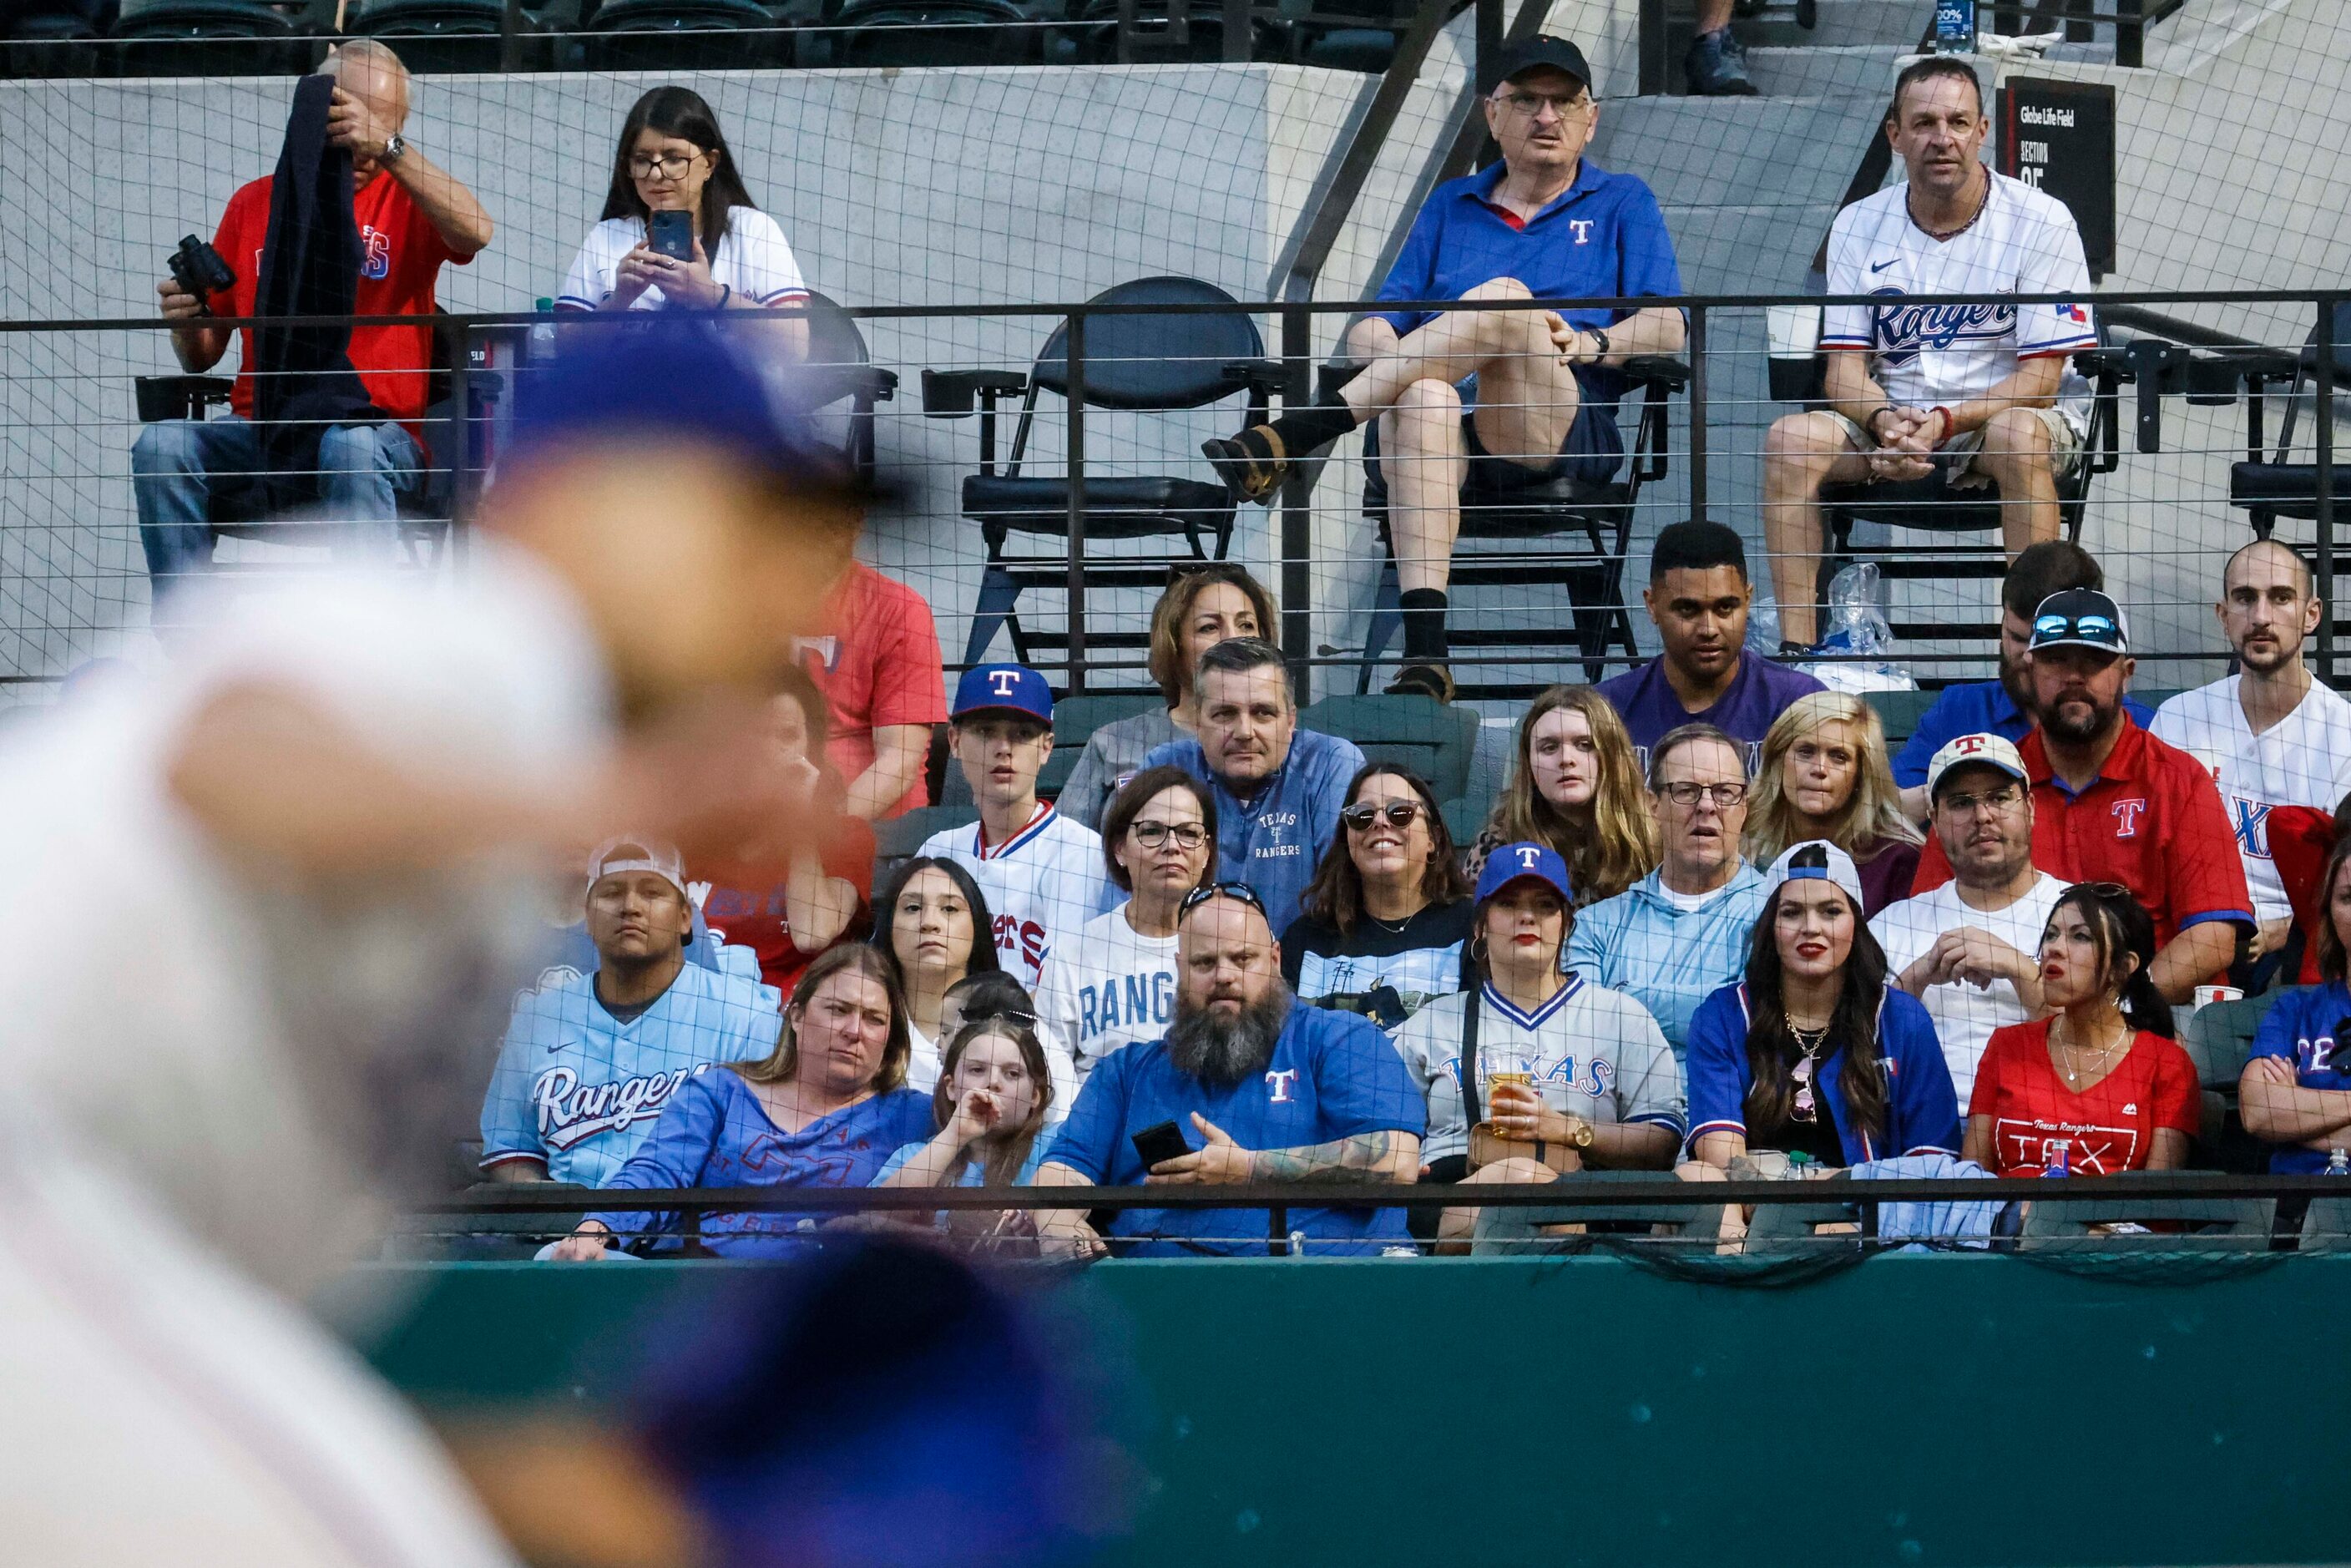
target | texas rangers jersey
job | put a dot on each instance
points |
(577, 1090)
(1107, 986)
(2305, 759)
(1594, 1053)
(1041, 884)
(1926, 355)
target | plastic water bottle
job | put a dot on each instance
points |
(2061, 1158)
(1955, 26)
(2338, 1163)
(542, 333)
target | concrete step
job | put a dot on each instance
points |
(1891, 24)
(1705, 152)
(1858, 71)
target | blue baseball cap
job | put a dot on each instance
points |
(678, 381)
(1512, 862)
(1003, 688)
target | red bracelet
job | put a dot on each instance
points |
(1948, 423)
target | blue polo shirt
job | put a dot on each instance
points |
(1273, 840)
(1603, 238)
(1332, 1075)
(1976, 707)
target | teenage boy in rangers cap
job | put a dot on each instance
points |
(2112, 803)
(1041, 873)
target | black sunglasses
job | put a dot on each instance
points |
(1240, 892)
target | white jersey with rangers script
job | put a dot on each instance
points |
(1107, 986)
(1926, 355)
(1043, 883)
(2303, 759)
(577, 1089)
(1593, 1052)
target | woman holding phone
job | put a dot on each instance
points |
(679, 229)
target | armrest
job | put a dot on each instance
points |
(1330, 376)
(950, 394)
(2105, 364)
(179, 397)
(1269, 374)
(1656, 369)
(2252, 365)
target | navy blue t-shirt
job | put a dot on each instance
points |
(1645, 699)
(1333, 1075)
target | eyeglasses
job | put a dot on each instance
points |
(670, 165)
(1239, 892)
(1531, 104)
(1685, 795)
(1150, 834)
(2007, 798)
(1362, 814)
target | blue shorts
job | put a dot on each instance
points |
(1591, 453)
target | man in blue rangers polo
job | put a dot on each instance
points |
(1278, 788)
(1261, 1088)
(1519, 396)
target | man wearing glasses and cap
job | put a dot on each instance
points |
(2112, 803)
(1499, 399)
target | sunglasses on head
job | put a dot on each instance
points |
(1362, 814)
(1239, 892)
(2100, 629)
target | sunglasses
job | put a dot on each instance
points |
(2099, 631)
(1240, 892)
(1361, 815)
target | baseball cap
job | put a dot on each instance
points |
(1542, 49)
(1511, 862)
(1003, 688)
(614, 857)
(1816, 859)
(1992, 750)
(2081, 618)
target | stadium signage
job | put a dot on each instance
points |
(2059, 137)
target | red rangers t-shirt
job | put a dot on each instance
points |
(746, 905)
(878, 664)
(2152, 821)
(2106, 1129)
(400, 255)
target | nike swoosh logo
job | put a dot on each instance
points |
(1882, 265)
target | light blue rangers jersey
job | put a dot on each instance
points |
(577, 1090)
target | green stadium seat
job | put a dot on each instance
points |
(899, 838)
(1433, 739)
(2327, 1225)
(1513, 1232)
(1075, 719)
(2212, 1225)
(1794, 1226)
(1464, 819)
(2220, 1037)
(1899, 712)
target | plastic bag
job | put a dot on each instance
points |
(1857, 626)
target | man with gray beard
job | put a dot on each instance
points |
(1260, 1089)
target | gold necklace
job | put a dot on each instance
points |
(2074, 1074)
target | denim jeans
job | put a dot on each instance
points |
(187, 473)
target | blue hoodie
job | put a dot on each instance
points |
(1669, 959)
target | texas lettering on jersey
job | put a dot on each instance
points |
(2090, 1149)
(570, 1113)
(1597, 1077)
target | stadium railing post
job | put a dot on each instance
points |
(1698, 413)
(1297, 514)
(459, 345)
(1077, 400)
(2323, 395)
(1651, 28)
(1237, 32)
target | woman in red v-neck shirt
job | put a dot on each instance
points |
(2099, 1087)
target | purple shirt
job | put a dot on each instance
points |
(1645, 701)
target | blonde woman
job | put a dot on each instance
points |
(1576, 788)
(1825, 773)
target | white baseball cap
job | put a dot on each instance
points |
(1992, 750)
(1816, 859)
(614, 857)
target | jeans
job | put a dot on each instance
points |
(187, 473)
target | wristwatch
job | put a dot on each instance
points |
(395, 147)
(1601, 338)
(1579, 1132)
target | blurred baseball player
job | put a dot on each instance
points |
(321, 830)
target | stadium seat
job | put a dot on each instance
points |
(210, 38)
(684, 35)
(440, 35)
(2327, 1225)
(840, 367)
(1899, 712)
(910, 33)
(2266, 485)
(1593, 522)
(899, 838)
(1464, 819)
(1347, 35)
(1795, 1227)
(2190, 1224)
(1136, 362)
(1158, 32)
(55, 37)
(1433, 739)
(2219, 1037)
(1514, 1232)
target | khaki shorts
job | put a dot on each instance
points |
(1957, 456)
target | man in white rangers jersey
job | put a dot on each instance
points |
(1977, 393)
(2274, 738)
(1041, 873)
(590, 1059)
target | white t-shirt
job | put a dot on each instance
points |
(2024, 241)
(1107, 986)
(1965, 1015)
(753, 260)
(230, 1088)
(1594, 1053)
(2305, 759)
(1041, 884)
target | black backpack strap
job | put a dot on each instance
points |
(1471, 1112)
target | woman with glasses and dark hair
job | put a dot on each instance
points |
(1202, 608)
(2292, 1093)
(1115, 983)
(672, 158)
(2098, 1087)
(933, 921)
(1813, 1055)
(1824, 774)
(1386, 921)
(1576, 786)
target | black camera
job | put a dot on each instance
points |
(199, 270)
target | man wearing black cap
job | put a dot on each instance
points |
(2112, 803)
(1523, 396)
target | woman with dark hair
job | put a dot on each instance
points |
(1813, 1055)
(2292, 1092)
(789, 896)
(934, 923)
(2098, 1087)
(1114, 982)
(823, 1108)
(993, 1101)
(1576, 788)
(1215, 603)
(1386, 921)
(672, 158)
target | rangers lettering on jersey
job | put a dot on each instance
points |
(568, 1112)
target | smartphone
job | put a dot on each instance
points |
(671, 234)
(1161, 1143)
